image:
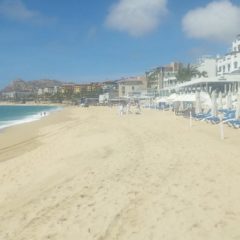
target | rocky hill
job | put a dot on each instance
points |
(21, 85)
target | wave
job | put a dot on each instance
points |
(28, 119)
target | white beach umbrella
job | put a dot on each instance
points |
(198, 103)
(220, 102)
(214, 104)
(178, 98)
(237, 116)
(181, 106)
(172, 97)
(162, 100)
(189, 97)
(229, 100)
(225, 89)
(206, 101)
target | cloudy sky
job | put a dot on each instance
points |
(91, 40)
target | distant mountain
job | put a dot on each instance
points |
(21, 85)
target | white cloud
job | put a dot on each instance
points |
(136, 17)
(16, 10)
(219, 20)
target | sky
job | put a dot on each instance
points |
(90, 40)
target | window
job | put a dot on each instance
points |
(235, 64)
(123, 90)
(132, 88)
(224, 69)
(220, 69)
(229, 67)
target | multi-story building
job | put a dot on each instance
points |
(8, 95)
(230, 63)
(82, 88)
(162, 77)
(48, 90)
(170, 73)
(132, 86)
(206, 66)
(111, 88)
(87, 88)
(18, 95)
(67, 89)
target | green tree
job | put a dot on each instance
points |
(187, 73)
(204, 74)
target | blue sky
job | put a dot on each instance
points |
(90, 40)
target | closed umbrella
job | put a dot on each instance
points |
(220, 101)
(198, 103)
(237, 116)
(214, 104)
(229, 100)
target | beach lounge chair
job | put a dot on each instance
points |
(235, 123)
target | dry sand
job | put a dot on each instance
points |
(90, 174)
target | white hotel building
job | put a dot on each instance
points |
(223, 73)
(230, 63)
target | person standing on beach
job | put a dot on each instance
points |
(128, 108)
(121, 109)
(138, 107)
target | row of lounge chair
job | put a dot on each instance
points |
(228, 117)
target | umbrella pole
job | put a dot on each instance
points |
(221, 128)
(190, 119)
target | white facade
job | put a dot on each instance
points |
(47, 90)
(236, 44)
(170, 81)
(9, 95)
(40, 91)
(230, 63)
(207, 64)
(132, 86)
(103, 98)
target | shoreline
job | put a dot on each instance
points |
(21, 137)
(30, 118)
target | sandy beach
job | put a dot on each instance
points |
(87, 173)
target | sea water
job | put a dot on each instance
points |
(14, 115)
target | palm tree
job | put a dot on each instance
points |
(204, 74)
(187, 73)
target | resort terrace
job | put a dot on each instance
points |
(218, 83)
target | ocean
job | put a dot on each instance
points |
(14, 115)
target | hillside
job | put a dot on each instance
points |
(21, 85)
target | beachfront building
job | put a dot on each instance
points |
(87, 89)
(213, 74)
(82, 88)
(162, 77)
(18, 95)
(110, 88)
(67, 89)
(132, 86)
(170, 74)
(48, 91)
(206, 66)
(222, 84)
(154, 78)
(230, 63)
(8, 95)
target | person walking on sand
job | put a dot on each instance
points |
(138, 107)
(128, 108)
(121, 109)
